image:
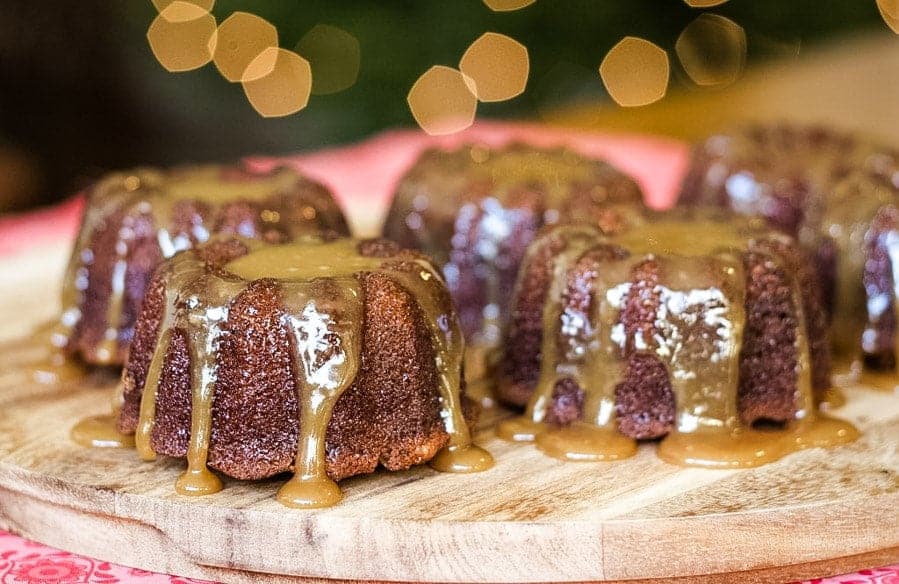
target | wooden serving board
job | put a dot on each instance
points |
(529, 519)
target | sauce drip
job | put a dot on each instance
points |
(836, 194)
(100, 432)
(460, 455)
(847, 372)
(323, 303)
(153, 195)
(437, 191)
(697, 334)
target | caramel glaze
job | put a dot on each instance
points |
(100, 432)
(326, 353)
(698, 336)
(41, 356)
(838, 195)
(157, 196)
(853, 372)
(495, 200)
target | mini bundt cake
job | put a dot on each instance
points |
(694, 328)
(135, 219)
(839, 196)
(474, 210)
(321, 357)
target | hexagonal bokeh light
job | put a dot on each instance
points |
(889, 11)
(635, 72)
(241, 38)
(712, 50)
(335, 57)
(507, 5)
(278, 82)
(704, 3)
(498, 65)
(442, 101)
(183, 36)
(204, 4)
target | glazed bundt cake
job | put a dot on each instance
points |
(694, 328)
(475, 210)
(839, 196)
(325, 358)
(135, 219)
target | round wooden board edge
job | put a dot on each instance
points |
(63, 519)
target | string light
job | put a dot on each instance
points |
(183, 36)
(712, 50)
(278, 82)
(442, 101)
(635, 72)
(335, 57)
(241, 38)
(498, 65)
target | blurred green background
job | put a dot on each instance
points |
(81, 92)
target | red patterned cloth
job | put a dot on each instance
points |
(362, 176)
(25, 562)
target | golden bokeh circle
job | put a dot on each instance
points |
(204, 4)
(704, 3)
(498, 65)
(335, 57)
(507, 5)
(889, 11)
(442, 101)
(241, 38)
(712, 50)
(183, 36)
(635, 72)
(278, 82)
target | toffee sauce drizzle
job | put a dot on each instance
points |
(136, 190)
(701, 316)
(483, 225)
(197, 301)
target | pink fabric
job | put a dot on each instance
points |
(48, 225)
(368, 171)
(364, 173)
(25, 562)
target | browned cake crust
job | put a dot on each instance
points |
(879, 337)
(390, 415)
(135, 221)
(768, 361)
(644, 399)
(521, 360)
(475, 212)
(827, 188)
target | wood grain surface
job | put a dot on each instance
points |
(529, 519)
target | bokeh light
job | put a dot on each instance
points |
(183, 36)
(498, 65)
(507, 5)
(635, 72)
(712, 50)
(204, 4)
(889, 11)
(241, 38)
(334, 55)
(704, 3)
(442, 101)
(278, 82)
